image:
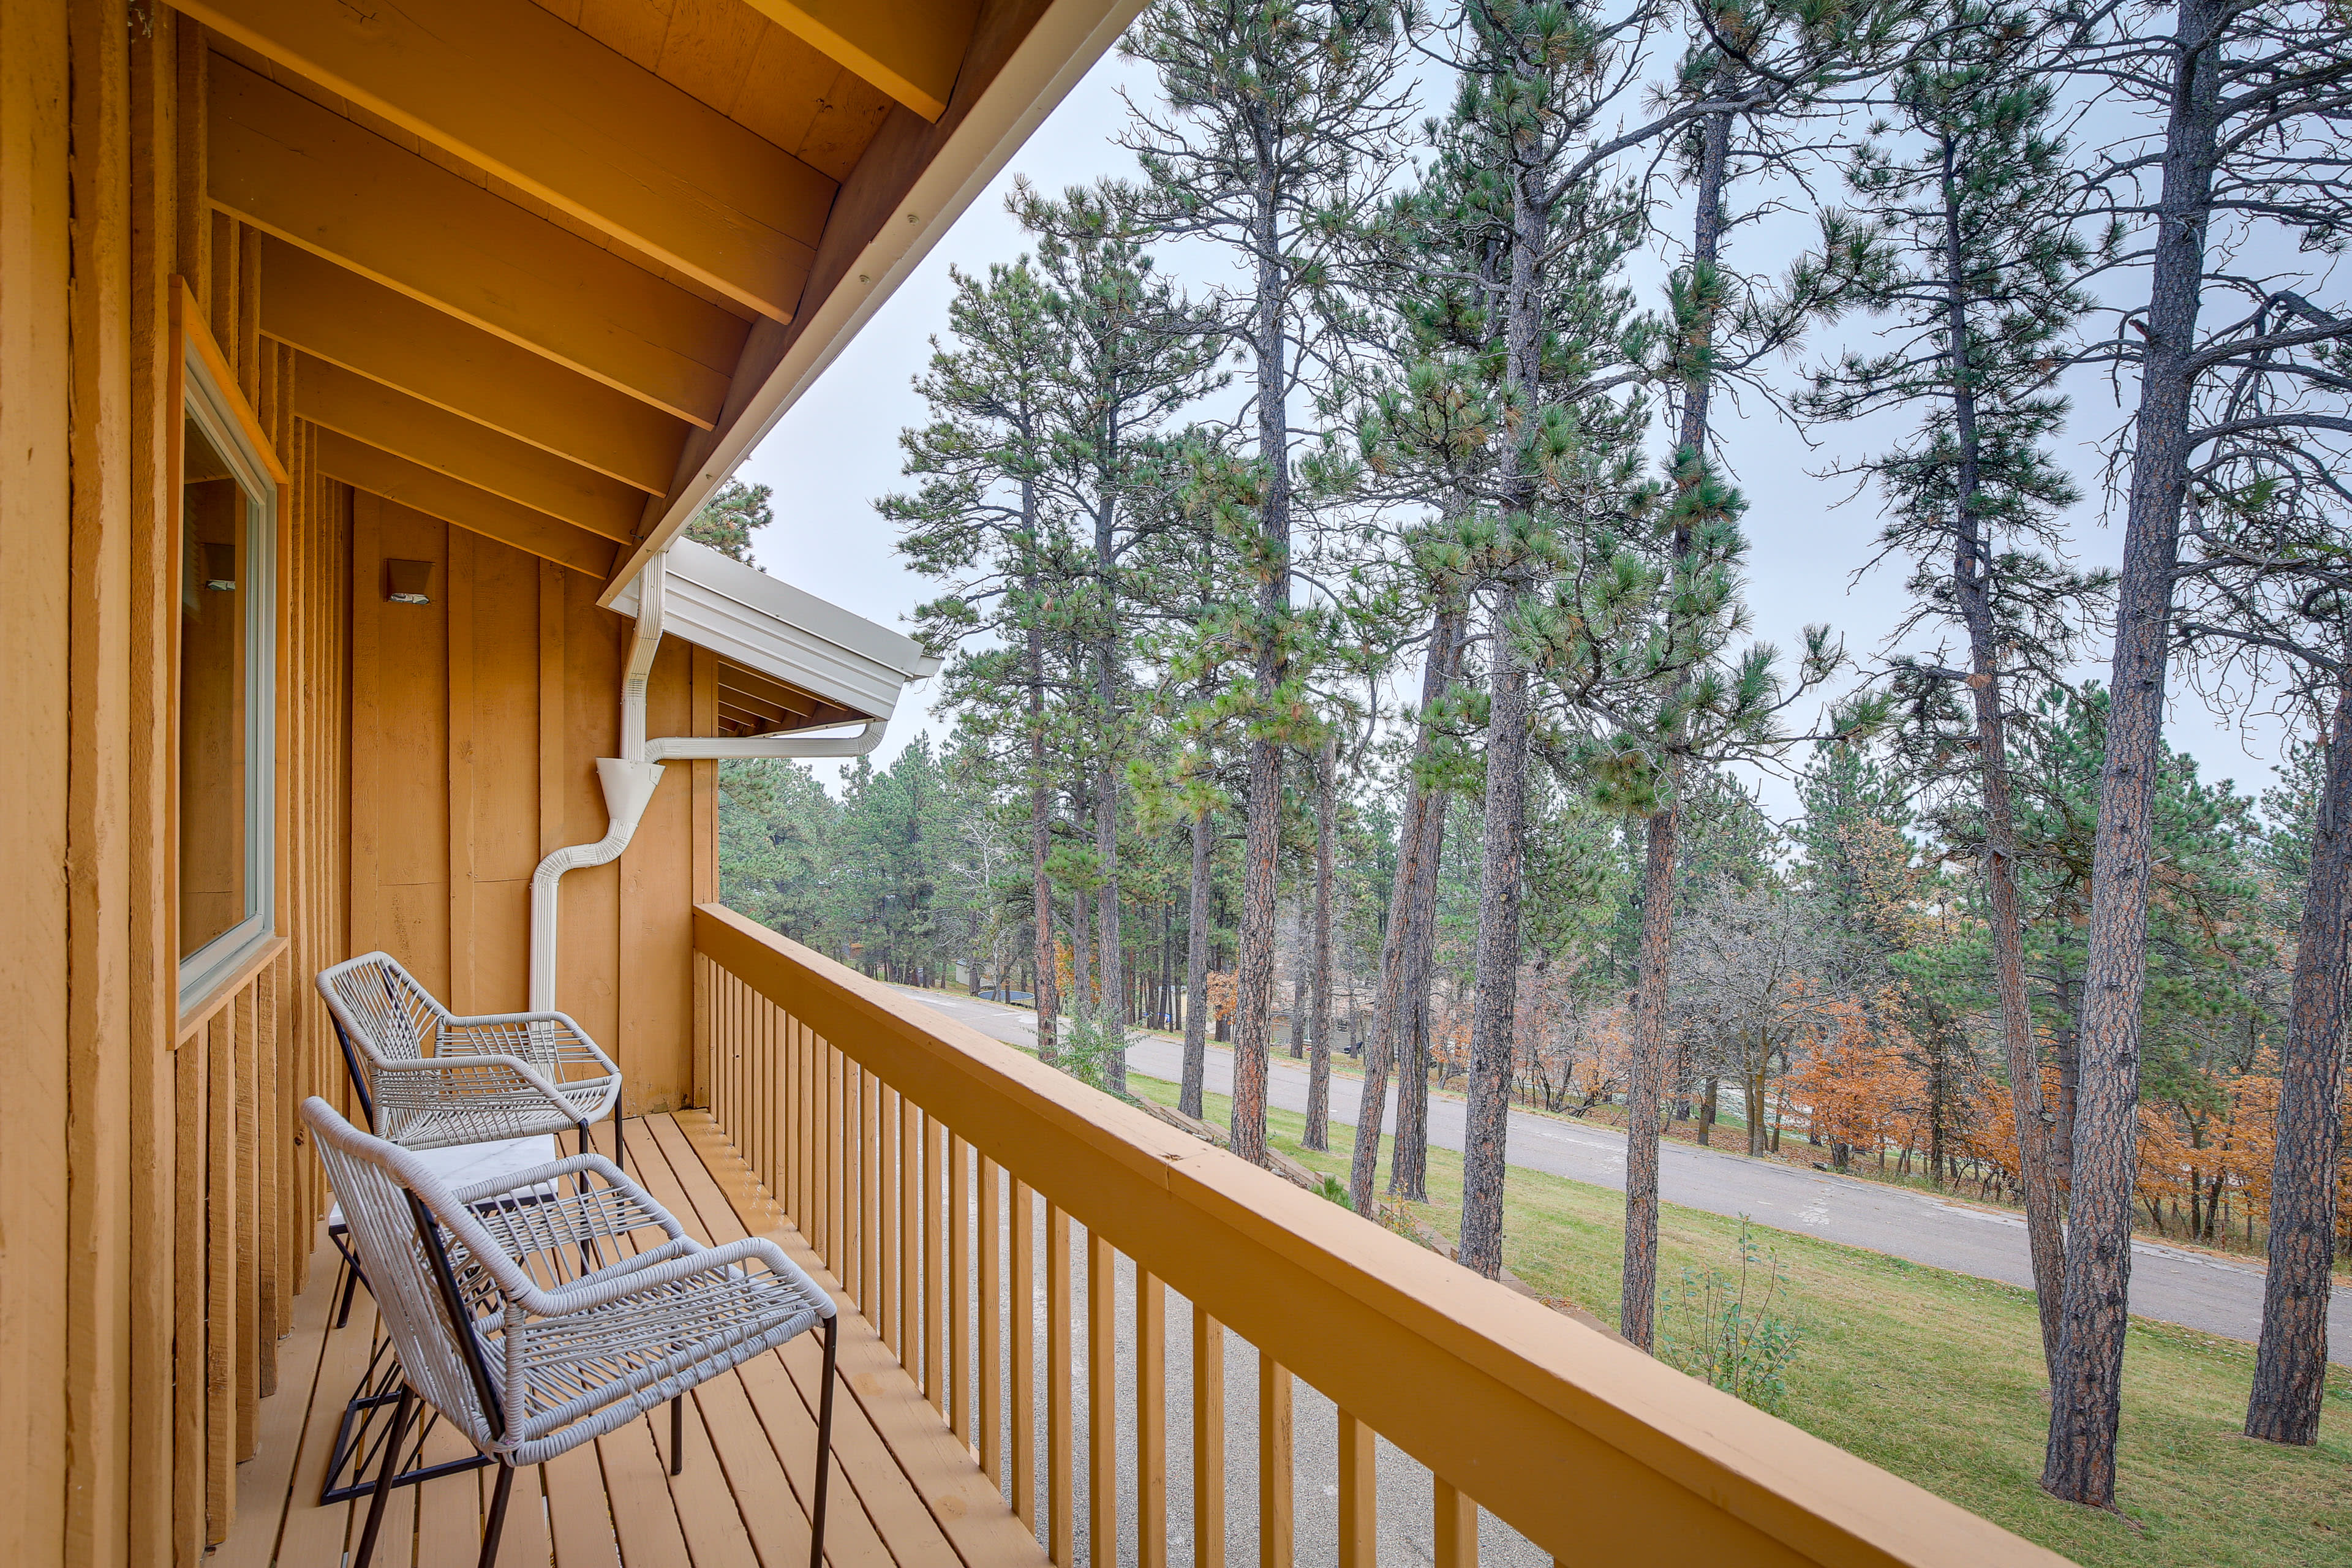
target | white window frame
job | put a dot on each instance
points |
(225, 423)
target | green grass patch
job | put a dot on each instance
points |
(1938, 1377)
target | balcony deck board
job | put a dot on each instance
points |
(906, 1494)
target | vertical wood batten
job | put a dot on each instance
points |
(93, 1373)
(1022, 1336)
(150, 1002)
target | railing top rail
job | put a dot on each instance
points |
(1593, 1449)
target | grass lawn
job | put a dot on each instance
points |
(1938, 1377)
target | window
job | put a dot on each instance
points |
(228, 527)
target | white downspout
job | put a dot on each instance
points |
(631, 778)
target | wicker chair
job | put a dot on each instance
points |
(428, 1079)
(506, 1325)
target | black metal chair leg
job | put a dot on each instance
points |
(677, 1433)
(620, 1144)
(392, 1443)
(351, 1288)
(498, 1524)
(824, 1446)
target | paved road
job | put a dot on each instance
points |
(2168, 1283)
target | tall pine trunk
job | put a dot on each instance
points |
(2087, 1385)
(2290, 1364)
(1262, 830)
(1112, 1018)
(1318, 1023)
(1420, 836)
(1972, 567)
(1196, 972)
(1640, 1290)
(1041, 843)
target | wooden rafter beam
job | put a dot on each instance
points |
(912, 49)
(511, 87)
(334, 399)
(420, 488)
(341, 318)
(315, 179)
(907, 190)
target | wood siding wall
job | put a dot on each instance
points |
(477, 720)
(156, 1209)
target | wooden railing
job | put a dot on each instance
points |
(915, 1155)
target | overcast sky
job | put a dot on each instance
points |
(838, 449)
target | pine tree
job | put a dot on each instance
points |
(728, 518)
(2234, 98)
(1275, 139)
(2270, 600)
(979, 522)
(1130, 366)
(1977, 209)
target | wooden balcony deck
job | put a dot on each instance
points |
(914, 1495)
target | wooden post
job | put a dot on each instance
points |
(991, 1323)
(960, 1389)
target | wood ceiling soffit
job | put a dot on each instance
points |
(436, 494)
(907, 191)
(508, 87)
(334, 399)
(345, 320)
(317, 180)
(759, 686)
(912, 49)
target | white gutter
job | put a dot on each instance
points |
(630, 779)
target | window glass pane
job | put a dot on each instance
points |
(215, 601)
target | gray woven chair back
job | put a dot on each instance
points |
(386, 1011)
(372, 1180)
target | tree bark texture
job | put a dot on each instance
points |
(1261, 834)
(1638, 1295)
(1383, 1045)
(1318, 1023)
(2086, 1388)
(1196, 973)
(2291, 1363)
(1972, 567)
(1495, 1010)
(1041, 843)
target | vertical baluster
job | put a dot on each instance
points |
(869, 1195)
(1021, 1292)
(1151, 1420)
(770, 1175)
(1208, 1440)
(808, 1101)
(837, 1163)
(1358, 1494)
(960, 1367)
(1274, 1493)
(935, 1267)
(1457, 1527)
(797, 1104)
(890, 1181)
(1102, 1399)
(1061, 1522)
(910, 1304)
(992, 1324)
